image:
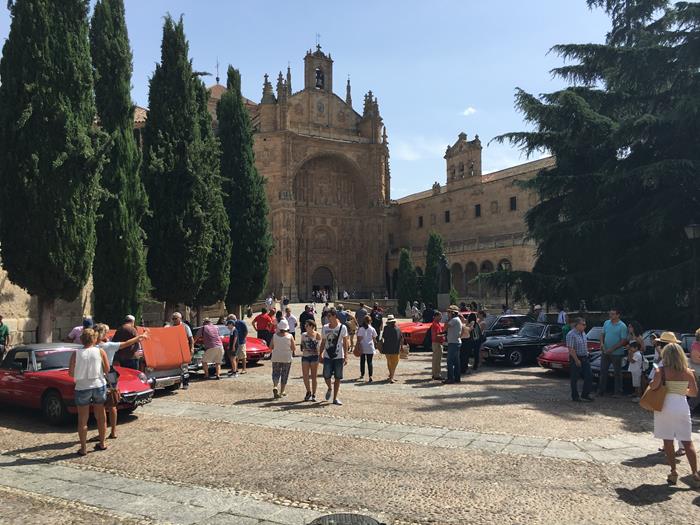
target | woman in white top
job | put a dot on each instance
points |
(283, 350)
(88, 366)
(366, 338)
(111, 349)
(673, 421)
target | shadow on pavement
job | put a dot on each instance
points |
(646, 494)
(650, 460)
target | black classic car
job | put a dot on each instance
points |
(506, 324)
(523, 346)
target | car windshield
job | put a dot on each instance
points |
(594, 333)
(52, 359)
(223, 330)
(531, 330)
(490, 320)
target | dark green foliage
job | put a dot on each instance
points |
(119, 271)
(626, 136)
(406, 290)
(246, 203)
(431, 279)
(50, 150)
(216, 284)
(176, 174)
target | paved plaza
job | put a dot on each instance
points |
(505, 446)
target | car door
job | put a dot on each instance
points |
(13, 380)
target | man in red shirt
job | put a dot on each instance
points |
(437, 338)
(263, 325)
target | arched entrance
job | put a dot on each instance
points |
(322, 280)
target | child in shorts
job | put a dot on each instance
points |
(636, 364)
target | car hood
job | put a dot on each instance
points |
(555, 349)
(511, 340)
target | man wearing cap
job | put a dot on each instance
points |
(127, 357)
(74, 334)
(613, 343)
(232, 346)
(4, 338)
(213, 348)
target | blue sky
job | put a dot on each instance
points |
(437, 67)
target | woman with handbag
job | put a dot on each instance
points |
(112, 376)
(673, 420)
(366, 337)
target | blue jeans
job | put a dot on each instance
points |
(453, 373)
(585, 371)
(605, 361)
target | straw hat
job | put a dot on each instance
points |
(453, 308)
(390, 319)
(668, 338)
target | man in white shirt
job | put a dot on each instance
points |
(291, 320)
(334, 353)
(561, 318)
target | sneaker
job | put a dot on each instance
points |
(283, 394)
(307, 396)
(313, 398)
(230, 372)
(370, 380)
(337, 402)
(275, 393)
(328, 394)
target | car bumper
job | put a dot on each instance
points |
(553, 365)
(131, 399)
(164, 382)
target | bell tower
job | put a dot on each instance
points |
(318, 71)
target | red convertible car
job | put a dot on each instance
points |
(556, 356)
(36, 376)
(415, 334)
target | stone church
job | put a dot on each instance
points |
(327, 171)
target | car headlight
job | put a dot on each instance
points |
(142, 377)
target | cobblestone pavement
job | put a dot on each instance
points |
(504, 447)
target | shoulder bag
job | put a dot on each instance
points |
(653, 400)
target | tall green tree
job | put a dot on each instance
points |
(218, 269)
(431, 279)
(246, 203)
(406, 290)
(175, 172)
(626, 135)
(50, 152)
(119, 271)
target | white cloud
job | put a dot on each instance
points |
(469, 111)
(418, 148)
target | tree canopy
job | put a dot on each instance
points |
(431, 278)
(406, 289)
(625, 133)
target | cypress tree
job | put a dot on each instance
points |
(50, 152)
(174, 169)
(119, 270)
(246, 203)
(431, 279)
(406, 290)
(216, 284)
(626, 135)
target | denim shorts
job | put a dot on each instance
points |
(333, 367)
(309, 359)
(91, 396)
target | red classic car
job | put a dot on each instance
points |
(556, 356)
(415, 334)
(36, 376)
(255, 349)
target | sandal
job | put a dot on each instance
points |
(112, 436)
(672, 478)
(81, 452)
(680, 452)
(100, 447)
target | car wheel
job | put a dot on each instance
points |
(54, 408)
(515, 357)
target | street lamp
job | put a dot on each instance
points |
(692, 231)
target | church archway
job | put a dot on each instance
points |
(322, 280)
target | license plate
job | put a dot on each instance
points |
(142, 401)
(557, 365)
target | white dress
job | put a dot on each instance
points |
(673, 422)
